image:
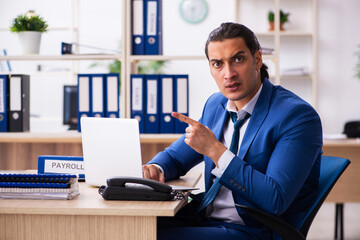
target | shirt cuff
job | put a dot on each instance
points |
(159, 167)
(223, 162)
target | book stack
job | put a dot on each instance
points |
(39, 186)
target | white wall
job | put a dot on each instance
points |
(339, 36)
(100, 25)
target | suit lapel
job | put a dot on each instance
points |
(220, 121)
(257, 118)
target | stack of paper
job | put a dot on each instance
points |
(38, 186)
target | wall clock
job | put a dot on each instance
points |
(193, 11)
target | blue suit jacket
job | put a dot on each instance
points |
(278, 164)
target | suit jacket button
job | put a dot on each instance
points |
(231, 180)
(235, 184)
(243, 189)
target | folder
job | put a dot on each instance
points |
(84, 97)
(138, 27)
(54, 164)
(112, 95)
(19, 103)
(137, 101)
(152, 122)
(4, 79)
(166, 96)
(97, 95)
(181, 99)
(153, 36)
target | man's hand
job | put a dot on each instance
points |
(201, 138)
(152, 172)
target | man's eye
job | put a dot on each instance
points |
(239, 59)
(216, 64)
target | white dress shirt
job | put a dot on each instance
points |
(223, 207)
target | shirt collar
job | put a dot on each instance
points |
(248, 108)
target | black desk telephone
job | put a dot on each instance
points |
(131, 188)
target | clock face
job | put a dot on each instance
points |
(193, 11)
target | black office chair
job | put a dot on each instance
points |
(330, 171)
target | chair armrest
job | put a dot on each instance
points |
(274, 223)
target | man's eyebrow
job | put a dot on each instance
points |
(237, 54)
(233, 56)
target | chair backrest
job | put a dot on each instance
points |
(331, 169)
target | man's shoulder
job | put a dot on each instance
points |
(217, 98)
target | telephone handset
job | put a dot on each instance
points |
(131, 188)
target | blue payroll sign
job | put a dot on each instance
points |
(61, 164)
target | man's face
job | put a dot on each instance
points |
(235, 71)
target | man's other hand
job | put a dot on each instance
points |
(152, 172)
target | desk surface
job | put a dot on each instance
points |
(90, 202)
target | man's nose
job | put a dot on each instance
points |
(229, 71)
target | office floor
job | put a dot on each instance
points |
(323, 226)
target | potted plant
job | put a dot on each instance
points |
(284, 17)
(357, 66)
(29, 28)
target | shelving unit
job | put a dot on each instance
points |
(278, 37)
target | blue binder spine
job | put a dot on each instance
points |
(181, 100)
(112, 85)
(153, 43)
(137, 101)
(84, 97)
(152, 123)
(4, 80)
(97, 95)
(138, 27)
(166, 103)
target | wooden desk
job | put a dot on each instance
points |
(87, 216)
(347, 189)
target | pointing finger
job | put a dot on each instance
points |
(184, 118)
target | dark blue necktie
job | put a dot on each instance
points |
(210, 195)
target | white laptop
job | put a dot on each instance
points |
(111, 148)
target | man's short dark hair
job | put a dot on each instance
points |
(231, 30)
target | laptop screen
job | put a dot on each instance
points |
(111, 148)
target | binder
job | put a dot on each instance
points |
(152, 122)
(153, 36)
(38, 186)
(137, 101)
(19, 103)
(166, 96)
(138, 27)
(84, 97)
(54, 164)
(4, 79)
(97, 95)
(112, 85)
(181, 100)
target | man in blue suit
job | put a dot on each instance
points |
(272, 162)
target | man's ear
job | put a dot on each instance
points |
(258, 59)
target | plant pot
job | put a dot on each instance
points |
(30, 42)
(272, 26)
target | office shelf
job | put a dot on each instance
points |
(288, 36)
(74, 57)
(74, 137)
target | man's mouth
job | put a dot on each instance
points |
(233, 86)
